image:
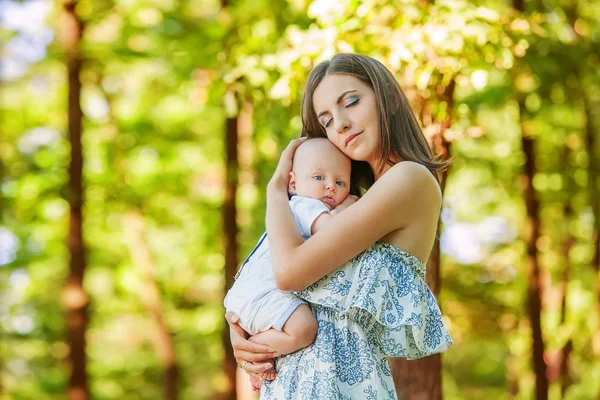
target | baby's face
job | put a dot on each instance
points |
(321, 171)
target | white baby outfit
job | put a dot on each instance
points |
(254, 296)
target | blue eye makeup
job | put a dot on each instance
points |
(352, 101)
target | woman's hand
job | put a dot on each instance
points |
(248, 354)
(284, 167)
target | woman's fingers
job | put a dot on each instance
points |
(232, 318)
(243, 355)
(285, 161)
(292, 146)
(256, 368)
(241, 344)
(243, 349)
(239, 335)
(296, 142)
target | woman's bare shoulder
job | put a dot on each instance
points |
(411, 180)
(418, 199)
(407, 192)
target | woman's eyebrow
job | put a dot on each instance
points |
(338, 101)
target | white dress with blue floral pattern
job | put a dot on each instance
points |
(376, 305)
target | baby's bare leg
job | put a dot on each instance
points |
(298, 332)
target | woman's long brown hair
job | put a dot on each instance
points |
(401, 135)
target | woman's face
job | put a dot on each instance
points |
(346, 108)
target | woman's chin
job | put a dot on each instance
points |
(357, 155)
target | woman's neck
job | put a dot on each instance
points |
(375, 166)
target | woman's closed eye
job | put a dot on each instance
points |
(351, 102)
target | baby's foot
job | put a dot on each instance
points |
(269, 374)
(256, 383)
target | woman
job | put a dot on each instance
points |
(363, 275)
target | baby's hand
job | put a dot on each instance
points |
(351, 199)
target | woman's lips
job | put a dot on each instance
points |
(352, 139)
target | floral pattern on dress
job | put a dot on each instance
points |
(376, 305)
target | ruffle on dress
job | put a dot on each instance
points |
(383, 289)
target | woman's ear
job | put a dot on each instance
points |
(292, 184)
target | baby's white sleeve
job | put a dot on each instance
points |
(306, 210)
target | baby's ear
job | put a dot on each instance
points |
(292, 184)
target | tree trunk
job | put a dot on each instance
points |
(594, 198)
(422, 379)
(532, 234)
(559, 365)
(230, 233)
(150, 297)
(519, 5)
(230, 229)
(75, 297)
(593, 185)
(564, 372)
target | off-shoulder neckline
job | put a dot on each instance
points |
(386, 244)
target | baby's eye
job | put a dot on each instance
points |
(318, 177)
(339, 183)
(352, 101)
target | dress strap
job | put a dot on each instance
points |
(262, 238)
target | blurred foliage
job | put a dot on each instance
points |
(160, 78)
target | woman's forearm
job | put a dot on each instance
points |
(282, 233)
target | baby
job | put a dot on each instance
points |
(319, 185)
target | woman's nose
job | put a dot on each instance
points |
(342, 124)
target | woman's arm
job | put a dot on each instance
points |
(404, 193)
(326, 218)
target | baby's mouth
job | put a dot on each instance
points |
(329, 200)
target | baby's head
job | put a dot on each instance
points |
(320, 171)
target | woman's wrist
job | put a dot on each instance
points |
(277, 184)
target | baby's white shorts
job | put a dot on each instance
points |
(255, 298)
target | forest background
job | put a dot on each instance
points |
(138, 137)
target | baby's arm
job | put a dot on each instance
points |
(325, 218)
